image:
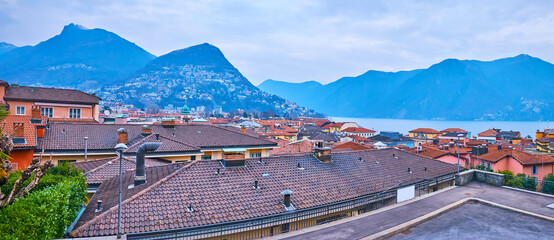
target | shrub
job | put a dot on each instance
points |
(43, 214)
(548, 184)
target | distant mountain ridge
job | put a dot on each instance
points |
(516, 88)
(6, 47)
(77, 58)
(100, 61)
(199, 76)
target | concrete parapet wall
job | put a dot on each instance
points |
(482, 176)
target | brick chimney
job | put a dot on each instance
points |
(322, 153)
(122, 136)
(19, 130)
(146, 130)
(35, 111)
(243, 130)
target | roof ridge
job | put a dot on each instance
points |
(180, 142)
(139, 141)
(238, 133)
(137, 195)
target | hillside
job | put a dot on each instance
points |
(517, 88)
(76, 58)
(200, 76)
(6, 47)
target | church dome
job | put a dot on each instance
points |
(185, 110)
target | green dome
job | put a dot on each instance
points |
(185, 110)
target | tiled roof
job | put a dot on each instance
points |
(301, 146)
(425, 130)
(29, 130)
(230, 195)
(87, 166)
(70, 136)
(168, 145)
(488, 133)
(495, 155)
(108, 191)
(39, 94)
(458, 130)
(357, 130)
(429, 152)
(350, 146)
(108, 170)
(327, 137)
(329, 125)
(475, 142)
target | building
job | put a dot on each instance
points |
(456, 130)
(390, 139)
(309, 132)
(350, 146)
(76, 141)
(426, 133)
(331, 127)
(358, 131)
(254, 198)
(24, 131)
(454, 136)
(498, 158)
(54, 103)
(545, 140)
(488, 135)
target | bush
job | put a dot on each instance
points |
(48, 209)
(548, 184)
(43, 214)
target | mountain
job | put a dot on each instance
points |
(76, 58)
(516, 88)
(198, 76)
(6, 47)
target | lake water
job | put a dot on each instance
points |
(475, 127)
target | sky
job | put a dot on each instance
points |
(298, 41)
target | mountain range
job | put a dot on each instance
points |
(515, 88)
(99, 61)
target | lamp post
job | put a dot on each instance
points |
(86, 147)
(119, 148)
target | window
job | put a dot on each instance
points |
(207, 157)
(47, 111)
(20, 110)
(285, 227)
(535, 169)
(74, 113)
(192, 158)
(255, 154)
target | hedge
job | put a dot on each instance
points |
(48, 210)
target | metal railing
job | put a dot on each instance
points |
(259, 227)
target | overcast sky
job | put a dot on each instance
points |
(298, 40)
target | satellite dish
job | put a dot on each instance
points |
(107, 112)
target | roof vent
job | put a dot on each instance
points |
(63, 130)
(256, 184)
(189, 208)
(299, 167)
(157, 137)
(409, 170)
(98, 206)
(425, 169)
(146, 130)
(260, 161)
(286, 200)
(394, 156)
(140, 174)
(218, 171)
(360, 159)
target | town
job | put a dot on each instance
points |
(201, 164)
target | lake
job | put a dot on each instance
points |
(475, 127)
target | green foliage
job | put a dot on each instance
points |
(43, 214)
(50, 207)
(519, 181)
(548, 184)
(482, 167)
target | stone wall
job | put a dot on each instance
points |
(482, 176)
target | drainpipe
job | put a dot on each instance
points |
(86, 148)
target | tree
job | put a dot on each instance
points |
(152, 109)
(34, 172)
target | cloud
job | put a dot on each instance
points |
(304, 40)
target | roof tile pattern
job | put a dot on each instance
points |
(57, 95)
(29, 130)
(425, 130)
(231, 196)
(357, 130)
(70, 136)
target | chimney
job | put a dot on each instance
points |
(140, 175)
(243, 130)
(35, 111)
(499, 147)
(322, 153)
(286, 200)
(169, 123)
(122, 136)
(19, 130)
(98, 206)
(146, 130)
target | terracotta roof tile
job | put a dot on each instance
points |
(425, 130)
(357, 130)
(39, 94)
(29, 130)
(456, 130)
(230, 195)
